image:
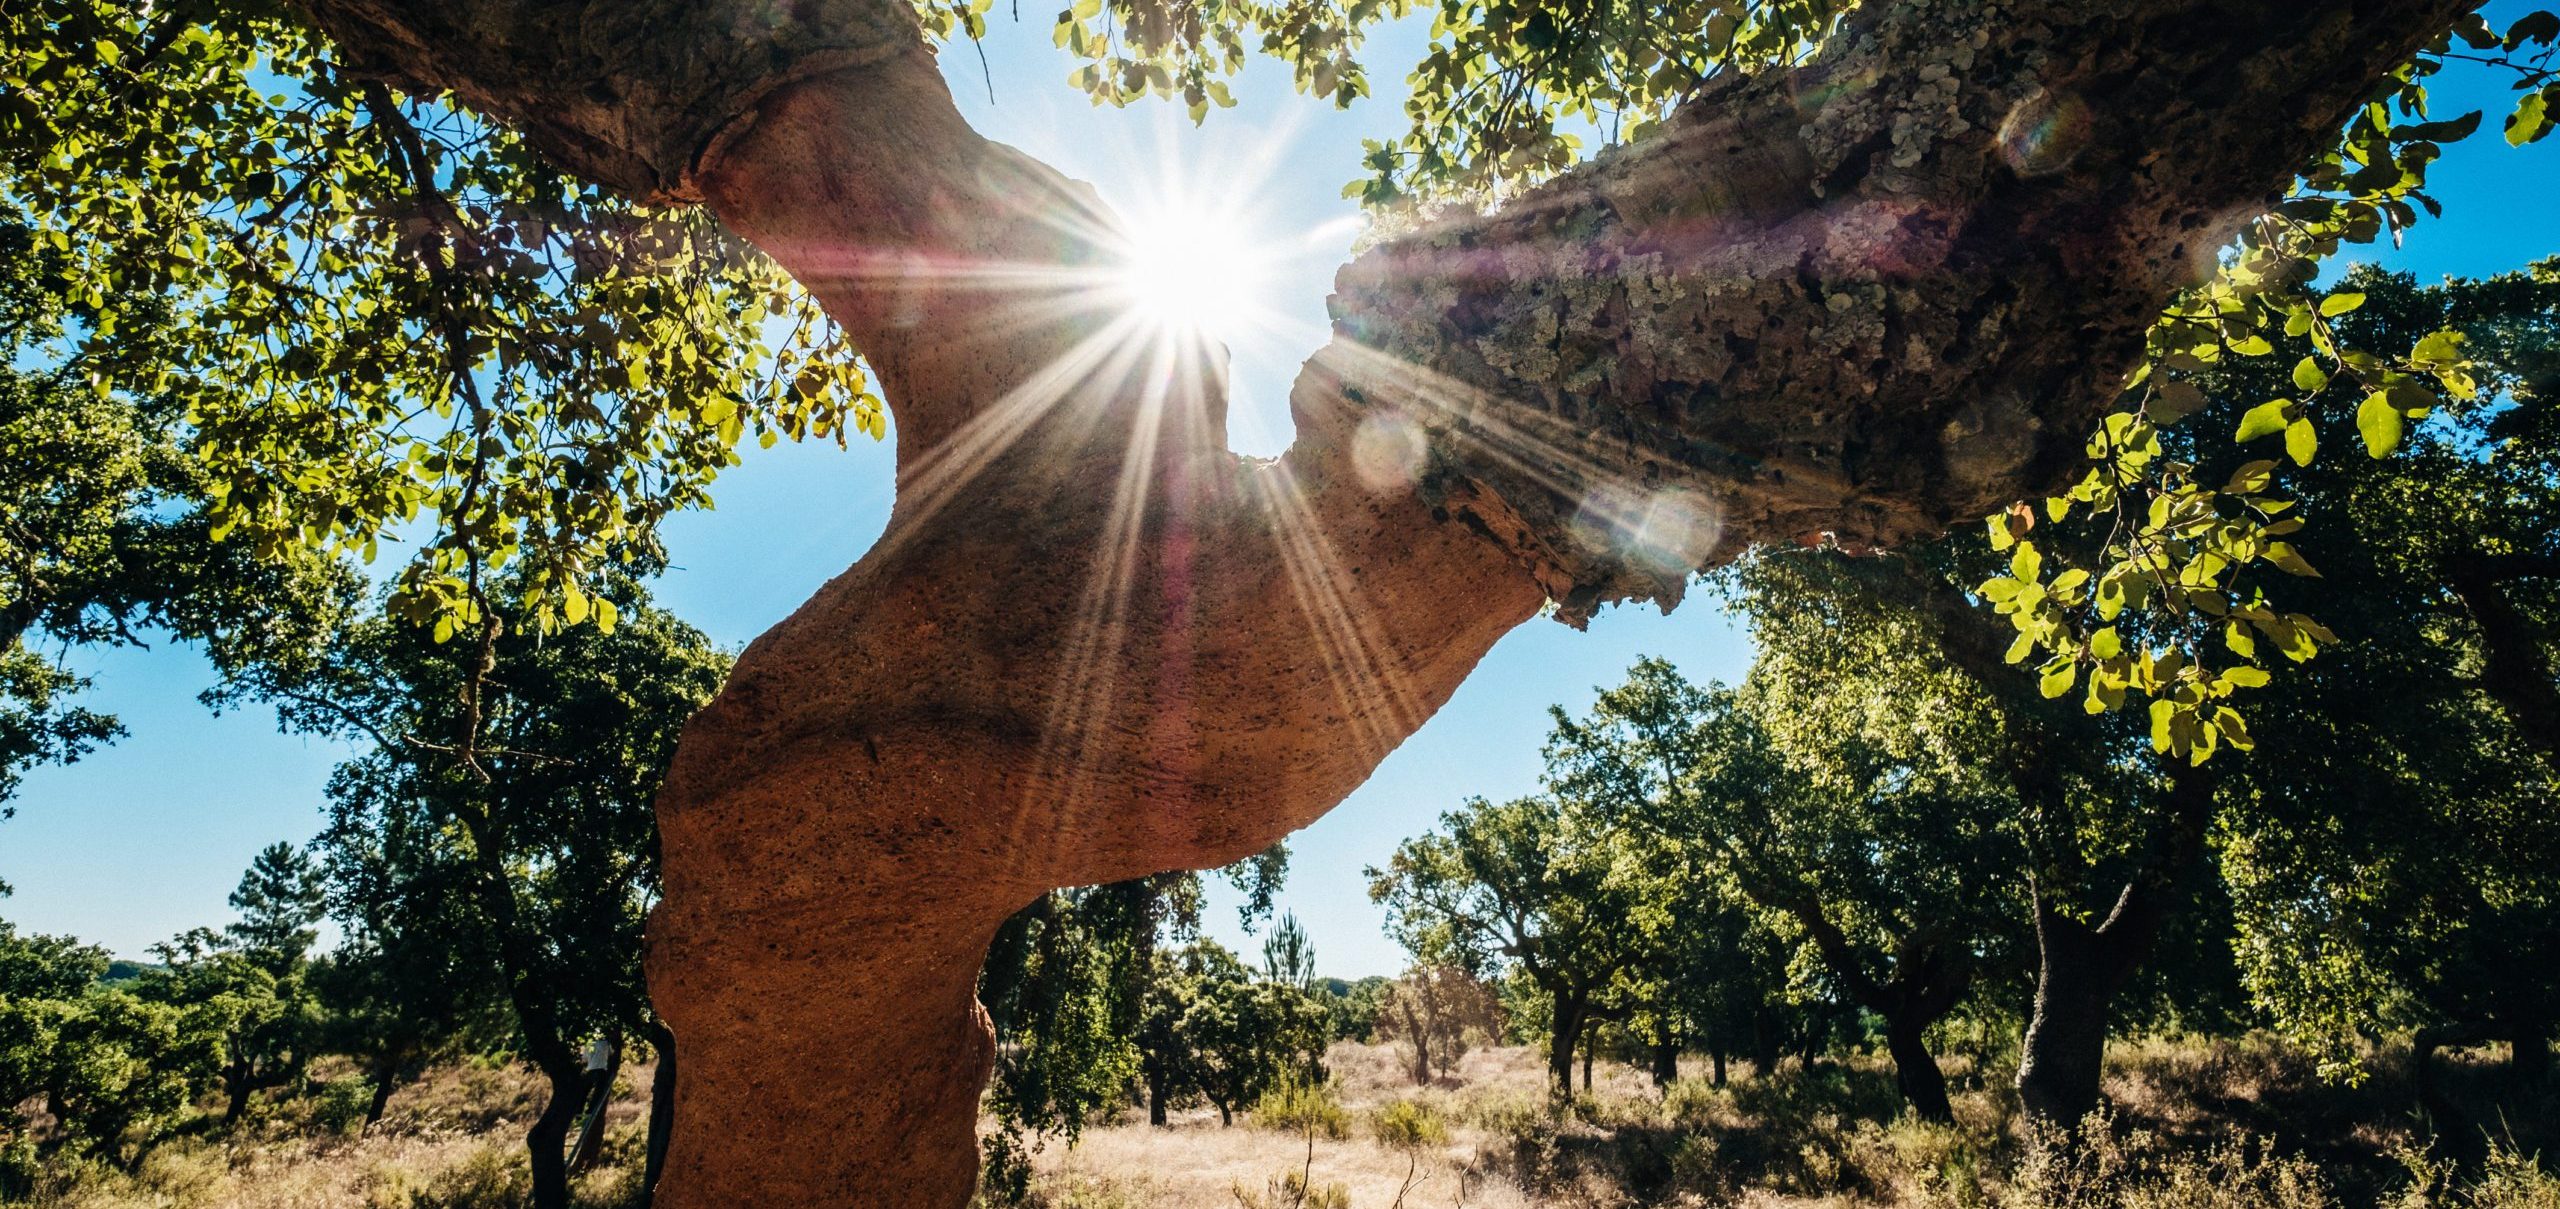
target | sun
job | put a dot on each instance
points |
(1190, 270)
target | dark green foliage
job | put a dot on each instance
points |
(1352, 1007)
(111, 1068)
(1221, 1034)
(1534, 886)
(499, 828)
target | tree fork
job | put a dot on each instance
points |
(1876, 295)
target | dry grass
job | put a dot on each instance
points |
(2199, 1125)
(454, 1140)
(2240, 1124)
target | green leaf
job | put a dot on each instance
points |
(2251, 478)
(2301, 441)
(2058, 678)
(2530, 121)
(2026, 564)
(2245, 676)
(2340, 303)
(2284, 556)
(2380, 423)
(2264, 420)
(2308, 377)
(2438, 348)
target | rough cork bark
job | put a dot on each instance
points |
(1875, 296)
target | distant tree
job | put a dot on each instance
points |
(1879, 861)
(1434, 1014)
(111, 1068)
(279, 900)
(1219, 1032)
(417, 977)
(1354, 1005)
(1064, 984)
(527, 763)
(264, 1024)
(1067, 984)
(1527, 885)
(1288, 957)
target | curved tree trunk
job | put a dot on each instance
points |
(1093, 644)
(2080, 967)
(384, 1083)
(547, 1139)
(662, 1109)
(1915, 1070)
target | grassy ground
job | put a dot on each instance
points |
(2194, 1125)
(2197, 1125)
(454, 1140)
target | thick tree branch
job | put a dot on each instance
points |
(1875, 296)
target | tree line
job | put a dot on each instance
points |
(1886, 827)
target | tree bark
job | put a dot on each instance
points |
(2080, 967)
(1915, 1070)
(2517, 671)
(2061, 1059)
(1562, 1038)
(384, 1083)
(1094, 645)
(546, 1141)
(1766, 1044)
(662, 1110)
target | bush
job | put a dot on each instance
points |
(1303, 1106)
(2097, 1169)
(1408, 1125)
(2509, 1179)
(341, 1105)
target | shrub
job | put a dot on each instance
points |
(1303, 1106)
(1408, 1125)
(2509, 1179)
(2095, 1168)
(341, 1106)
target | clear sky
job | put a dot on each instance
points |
(143, 840)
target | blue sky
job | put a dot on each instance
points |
(145, 839)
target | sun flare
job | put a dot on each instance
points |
(1191, 271)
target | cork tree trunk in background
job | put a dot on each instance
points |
(1876, 296)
